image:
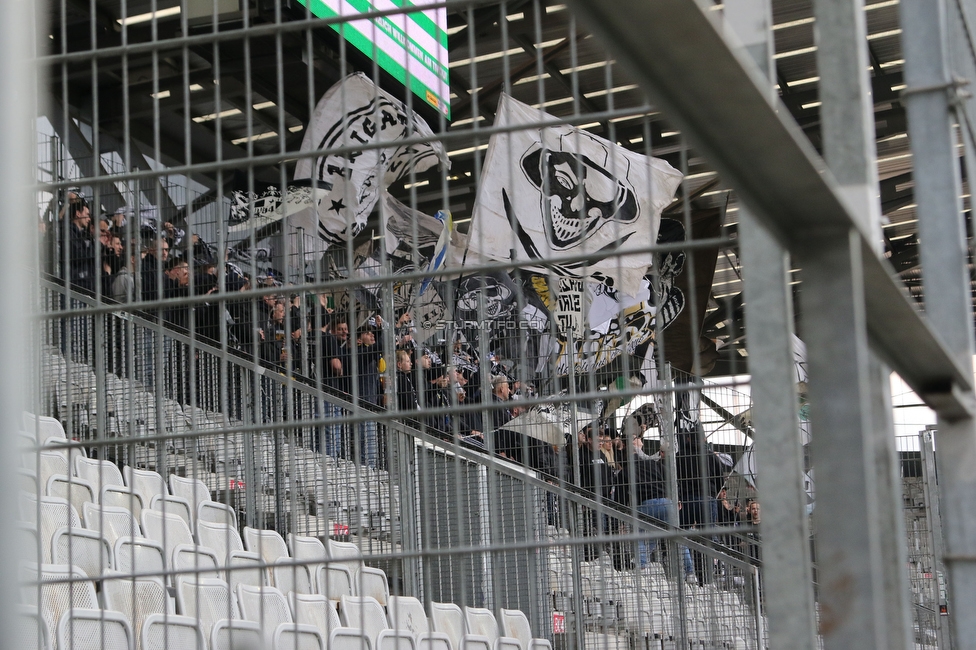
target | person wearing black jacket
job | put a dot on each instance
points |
(370, 391)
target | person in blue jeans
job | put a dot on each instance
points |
(651, 485)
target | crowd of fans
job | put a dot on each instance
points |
(128, 257)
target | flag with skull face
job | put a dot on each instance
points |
(561, 191)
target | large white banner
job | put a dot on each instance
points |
(558, 190)
(355, 113)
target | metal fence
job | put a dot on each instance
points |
(394, 326)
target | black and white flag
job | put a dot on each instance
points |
(559, 190)
(355, 113)
(332, 195)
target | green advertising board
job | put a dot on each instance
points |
(410, 46)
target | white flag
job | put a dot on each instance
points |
(565, 191)
(353, 113)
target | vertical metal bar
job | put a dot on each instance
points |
(786, 535)
(847, 112)
(930, 490)
(16, 133)
(788, 574)
(891, 518)
(928, 102)
(848, 553)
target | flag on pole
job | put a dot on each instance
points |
(347, 181)
(559, 190)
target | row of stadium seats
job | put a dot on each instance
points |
(134, 613)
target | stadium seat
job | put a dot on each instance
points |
(289, 576)
(97, 472)
(59, 597)
(193, 490)
(448, 619)
(406, 613)
(206, 599)
(366, 614)
(292, 636)
(190, 559)
(171, 632)
(175, 505)
(220, 537)
(138, 555)
(315, 609)
(366, 581)
(145, 483)
(51, 463)
(94, 629)
(55, 513)
(515, 624)
(344, 638)
(110, 521)
(266, 543)
(311, 551)
(77, 490)
(121, 496)
(136, 598)
(45, 427)
(31, 632)
(481, 622)
(169, 530)
(216, 512)
(265, 606)
(86, 549)
(236, 635)
(244, 568)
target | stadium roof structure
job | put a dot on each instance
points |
(239, 106)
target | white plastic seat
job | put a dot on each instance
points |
(236, 635)
(244, 568)
(121, 496)
(291, 577)
(136, 598)
(59, 597)
(138, 555)
(30, 632)
(345, 638)
(206, 599)
(265, 606)
(481, 622)
(55, 513)
(366, 614)
(173, 505)
(112, 522)
(167, 528)
(292, 636)
(190, 559)
(43, 426)
(515, 624)
(145, 483)
(77, 490)
(193, 490)
(311, 551)
(317, 610)
(222, 538)
(448, 619)
(406, 613)
(366, 581)
(86, 549)
(171, 632)
(94, 629)
(97, 472)
(266, 543)
(216, 512)
(51, 463)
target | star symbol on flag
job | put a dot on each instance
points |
(338, 205)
